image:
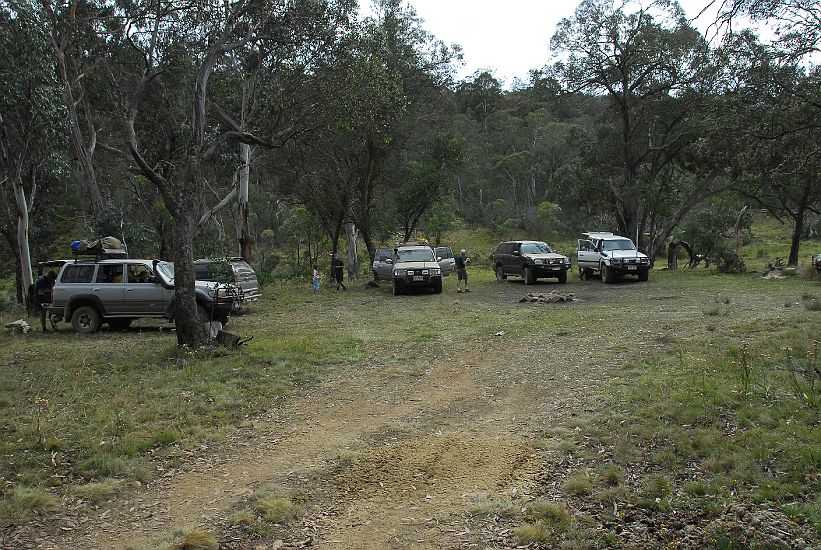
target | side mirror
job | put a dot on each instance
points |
(389, 261)
(438, 258)
(517, 253)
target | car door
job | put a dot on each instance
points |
(108, 287)
(448, 263)
(383, 265)
(588, 257)
(513, 259)
(144, 296)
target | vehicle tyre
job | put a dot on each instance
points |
(375, 277)
(397, 289)
(528, 276)
(563, 277)
(607, 274)
(500, 273)
(119, 324)
(86, 320)
(644, 275)
(437, 287)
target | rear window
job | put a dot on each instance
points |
(214, 271)
(78, 273)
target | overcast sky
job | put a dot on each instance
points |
(510, 37)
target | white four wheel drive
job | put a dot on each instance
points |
(611, 256)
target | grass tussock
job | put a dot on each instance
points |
(184, 539)
(23, 503)
(484, 504)
(98, 491)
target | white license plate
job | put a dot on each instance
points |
(631, 268)
(418, 278)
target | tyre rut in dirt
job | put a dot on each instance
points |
(86, 320)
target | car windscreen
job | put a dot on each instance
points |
(618, 244)
(535, 248)
(415, 255)
(166, 271)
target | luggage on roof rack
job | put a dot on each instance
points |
(101, 249)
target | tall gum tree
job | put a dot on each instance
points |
(179, 47)
(30, 126)
(641, 55)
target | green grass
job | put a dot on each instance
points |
(673, 391)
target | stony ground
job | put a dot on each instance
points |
(381, 457)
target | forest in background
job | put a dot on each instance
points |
(283, 131)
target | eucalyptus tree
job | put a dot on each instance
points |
(176, 48)
(30, 128)
(653, 67)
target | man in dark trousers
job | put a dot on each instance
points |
(42, 295)
(339, 272)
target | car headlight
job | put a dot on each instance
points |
(616, 261)
(435, 271)
(567, 261)
(645, 260)
(425, 272)
(399, 273)
(539, 261)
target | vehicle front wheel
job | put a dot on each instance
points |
(500, 273)
(86, 320)
(437, 287)
(563, 277)
(644, 275)
(397, 289)
(607, 274)
(528, 276)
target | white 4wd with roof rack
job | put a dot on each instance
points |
(611, 256)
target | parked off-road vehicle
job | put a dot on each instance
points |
(816, 262)
(611, 256)
(529, 260)
(230, 270)
(90, 293)
(415, 266)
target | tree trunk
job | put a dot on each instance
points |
(798, 226)
(353, 252)
(81, 151)
(189, 329)
(245, 239)
(26, 278)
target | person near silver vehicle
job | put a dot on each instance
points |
(462, 262)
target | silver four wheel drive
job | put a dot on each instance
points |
(611, 256)
(90, 293)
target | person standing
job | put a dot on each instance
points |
(42, 295)
(339, 272)
(316, 278)
(462, 262)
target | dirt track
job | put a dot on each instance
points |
(379, 460)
